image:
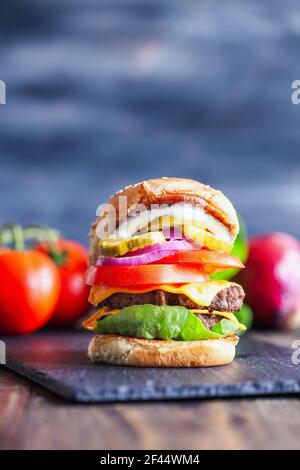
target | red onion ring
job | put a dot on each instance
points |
(149, 254)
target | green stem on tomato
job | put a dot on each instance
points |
(50, 237)
(40, 233)
(17, 236)
(12, 234)
(5, 236)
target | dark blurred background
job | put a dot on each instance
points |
(104, 93)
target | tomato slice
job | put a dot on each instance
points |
(210, 261)
(144, 275)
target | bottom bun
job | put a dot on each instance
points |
(128, 351)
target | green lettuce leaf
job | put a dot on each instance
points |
(245, 316)
(162, 322)
(225, 327)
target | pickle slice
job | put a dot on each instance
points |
(194, 232)
(121, 246)
(204, 238)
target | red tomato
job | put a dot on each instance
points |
(148, 274)
(210, 261)
(73, 298)
(29, 289)
(271, 280)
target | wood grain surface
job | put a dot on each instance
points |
(31, 418)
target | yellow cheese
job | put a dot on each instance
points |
(91, 322)
(228, 315)
(202, 293)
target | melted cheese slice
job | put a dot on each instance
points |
(202, 293)
(91, 322)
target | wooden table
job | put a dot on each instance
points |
(31, 418)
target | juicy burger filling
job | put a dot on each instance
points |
(227, 300)
(212, 294)
(187, 312)
(159, 314)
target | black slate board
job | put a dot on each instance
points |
(58, 362)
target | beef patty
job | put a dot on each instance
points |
(227, 300)
(209, 320)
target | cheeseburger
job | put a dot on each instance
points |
(153, 249)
